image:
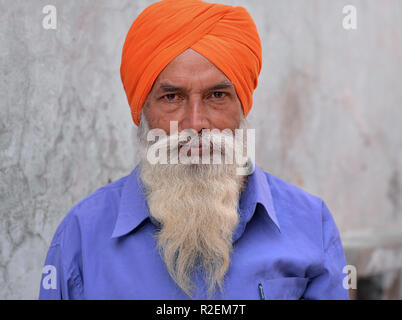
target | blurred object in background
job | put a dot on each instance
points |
(378, 261)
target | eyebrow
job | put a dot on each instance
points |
(170, 88)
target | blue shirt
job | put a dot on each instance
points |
(286, 241)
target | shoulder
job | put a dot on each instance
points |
(302, 211)
(101, 206)
(292, 196)
(297, 210)
(104, 198)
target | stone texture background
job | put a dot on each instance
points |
(327, 114)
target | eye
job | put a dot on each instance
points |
(218, 94)
(170, 97)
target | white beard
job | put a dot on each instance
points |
(197, 208)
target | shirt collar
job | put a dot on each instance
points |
(256, 191)
(133, 209)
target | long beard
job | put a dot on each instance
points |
(196, 206)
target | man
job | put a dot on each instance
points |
(194, 230)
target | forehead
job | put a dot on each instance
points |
(191, 68)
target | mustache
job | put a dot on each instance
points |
(214, 140)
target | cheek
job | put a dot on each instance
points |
(152, 117)
(227, 119)
(160, 123)
(158, 120)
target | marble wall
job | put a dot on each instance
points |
(327, 114)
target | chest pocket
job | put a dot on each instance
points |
(289, 288)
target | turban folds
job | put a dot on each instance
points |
(225, 35)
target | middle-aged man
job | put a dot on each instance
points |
(194, 230)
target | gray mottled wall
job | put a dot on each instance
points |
(327, 114)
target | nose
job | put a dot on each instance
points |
(196, 115)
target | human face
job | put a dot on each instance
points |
(195, 93)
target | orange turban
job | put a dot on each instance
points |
(225, 35)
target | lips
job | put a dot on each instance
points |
(200, 148)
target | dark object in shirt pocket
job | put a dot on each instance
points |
(287, 288)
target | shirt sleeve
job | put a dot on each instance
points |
(328, 283)
(61, 277)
